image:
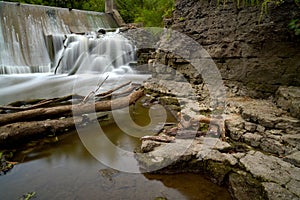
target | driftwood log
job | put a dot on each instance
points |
(11, 134)
(38, 122)
(66, 110)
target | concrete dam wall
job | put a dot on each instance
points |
(27, 33)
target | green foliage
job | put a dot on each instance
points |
(93, 5)
(294, 25)
(181, 19)
(148, 12)
(28, 196)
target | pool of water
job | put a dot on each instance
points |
(62, 168)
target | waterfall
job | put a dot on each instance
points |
(36, 41)
(93, 53)
(31, 36)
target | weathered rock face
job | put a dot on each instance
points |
(260, 159)
(260, 56)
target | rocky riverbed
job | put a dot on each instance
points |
(260, 158)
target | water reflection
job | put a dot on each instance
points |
(62, 168)
(191, 186)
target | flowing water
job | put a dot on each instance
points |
(52, 52)
(30, 35)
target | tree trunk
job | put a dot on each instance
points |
(66, 110)
(11, 134)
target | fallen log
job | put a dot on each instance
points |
(42, 103)
(66, 110)
(219, 123)
(11, 134)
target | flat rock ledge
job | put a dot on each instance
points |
(260, 158)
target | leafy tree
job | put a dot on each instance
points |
(148, 12)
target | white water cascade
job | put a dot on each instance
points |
(93, 53)
(50, 52)
(27, 34)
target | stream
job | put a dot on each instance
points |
(62, 168)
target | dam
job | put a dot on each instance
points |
(31, 35)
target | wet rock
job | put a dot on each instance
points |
(293, 158)
(275, 192)
(262, 70)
